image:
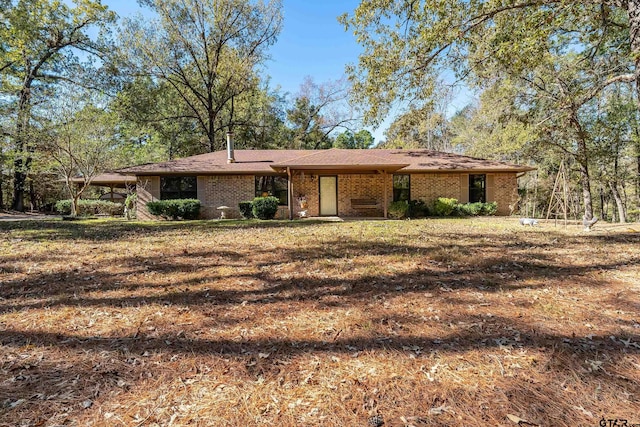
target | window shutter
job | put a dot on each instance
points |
(464, 188)
(491, 193)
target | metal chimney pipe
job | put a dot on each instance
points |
(230, 156)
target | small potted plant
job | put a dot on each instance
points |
(302, 201)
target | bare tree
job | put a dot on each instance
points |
(80, 145)
(318, 111)
(206, 50)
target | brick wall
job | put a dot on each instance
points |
(428, 187)
(305, 184)
(505, 191)
(350, 186)
(224, 190)
(501, 188)
(360, 186)
(148, 190)
(230, 190)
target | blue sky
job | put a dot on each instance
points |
(312, 43)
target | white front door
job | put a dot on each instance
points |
(328, 195)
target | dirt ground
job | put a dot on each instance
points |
(434, 322)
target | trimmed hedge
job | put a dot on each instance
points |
(399, 209)
(246, 209)
(447, 207)
(489, 208)
(417, 209)
(476, 209)
(91, 207)
(265, 207)
(175, 209)
(444, 206)
(469, 209)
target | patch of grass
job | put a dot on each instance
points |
(424, 322)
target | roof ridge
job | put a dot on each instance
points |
(314, 152)
(362, 151)
(449, 154)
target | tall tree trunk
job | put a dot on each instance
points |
(22, 161)
(638, 178)
(211, 134)
(582, 157)
(603, 213)
(619, 203)
(1, 191)
(633, 11)
(586, 190)
(32, 196)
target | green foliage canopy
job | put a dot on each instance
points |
(409, 44)
(208, 52)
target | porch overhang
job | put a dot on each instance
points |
(109, 179)
(341, 161)
(339, 169)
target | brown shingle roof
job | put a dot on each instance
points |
(269, 161)
(336, 158)
(110, 178)
(247, 161)
(436, 161)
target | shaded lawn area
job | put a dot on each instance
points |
(428, 322)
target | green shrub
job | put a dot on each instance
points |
(175, 209)
(469, 209)
(399, 209)
(157, 208)
(90, 207)
(444, 206)
(265, 207)
(417, 209)
(633, 214)
(246, 209)
(63, 207)
(489, 208)
(475, 209)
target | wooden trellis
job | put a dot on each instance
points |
(559, 201)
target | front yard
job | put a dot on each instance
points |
(427, 323)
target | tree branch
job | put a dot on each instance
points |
(623, 78)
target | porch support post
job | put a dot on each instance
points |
(111, 193)
(290, 189)
(386, 193)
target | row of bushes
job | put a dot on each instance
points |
(260, 207)
(266, 208)
(175, 209)
(442, 206)
(91, 207)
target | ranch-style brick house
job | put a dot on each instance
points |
(334, 182)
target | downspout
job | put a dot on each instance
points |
(290, 189)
